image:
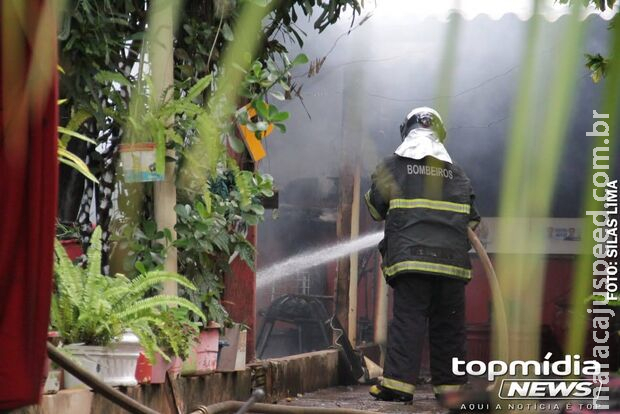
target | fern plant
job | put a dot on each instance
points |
(93, 309)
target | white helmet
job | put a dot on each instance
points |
(423, 118)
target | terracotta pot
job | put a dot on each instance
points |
(203, 355)
(162, 366)
(72, 247)
(144, 370)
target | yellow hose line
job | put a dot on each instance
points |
(499, 309)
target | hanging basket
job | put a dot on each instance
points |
(140, 162)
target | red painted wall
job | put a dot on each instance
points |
(240, 295)
(558, 281)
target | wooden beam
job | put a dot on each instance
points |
(354, 258)
(343, 232)
(350, 155)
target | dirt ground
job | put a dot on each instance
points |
(357, 397)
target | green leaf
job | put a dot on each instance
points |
(106, 76)
(279, 117)
(227, 32)
(201, 209)
(140, 267)
(159, 301)
(257, 68)
(77, 135)
(167, 234)
(262, 109)
(236, 144)
(94, 252)
(278, 95)
(150, 228)
(68, 158)
(199, 87)
(300, 59)
(182, 210)
(285, 86)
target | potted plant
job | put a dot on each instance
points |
(69, 236)
(203, 355)
(106, 320)
(178, 337)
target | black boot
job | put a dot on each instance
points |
(385, 394)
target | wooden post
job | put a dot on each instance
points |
(161, 59)
(165, 198)
(343, 232)
(354, 262)
(352, 133)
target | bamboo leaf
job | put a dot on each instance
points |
(74, 134)
(68, 158)
(106, 76)
(199, 87)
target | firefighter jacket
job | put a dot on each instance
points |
(427, 205)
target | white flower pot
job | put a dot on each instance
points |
(114, 364)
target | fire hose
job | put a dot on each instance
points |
(230, 407)
(499, 309)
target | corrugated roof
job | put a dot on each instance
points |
(470, 9)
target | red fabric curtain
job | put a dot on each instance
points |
(28, 189)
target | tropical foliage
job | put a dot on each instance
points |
(110, 98)
(93, 309)
(211, 228)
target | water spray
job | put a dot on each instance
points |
(314, 258)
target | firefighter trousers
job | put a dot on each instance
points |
(422, 301)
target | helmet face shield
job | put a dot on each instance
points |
(423, 118)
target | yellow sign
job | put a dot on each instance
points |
(253, 144)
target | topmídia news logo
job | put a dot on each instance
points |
(566, 379)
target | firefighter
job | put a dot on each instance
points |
(427, 203)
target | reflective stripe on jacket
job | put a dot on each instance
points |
(427, 205)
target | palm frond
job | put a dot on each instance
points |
(160, 301)
(94, 309)
(69, 278)
(143, 282)
(94, 253)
